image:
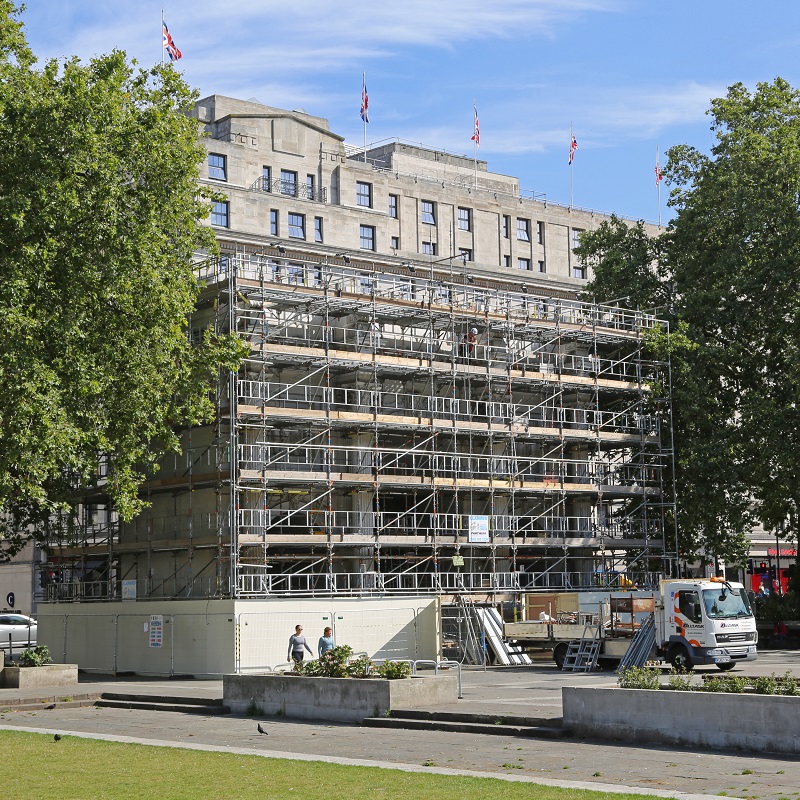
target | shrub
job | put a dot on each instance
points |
(360, 668)
(35, 656)
(638, 678)
(394, 670)
(788, 684)
(680, 681)
(728, 684)
(766, 684)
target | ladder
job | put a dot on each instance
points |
(641, 645)
(582, 653)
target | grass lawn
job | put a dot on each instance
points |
(33, 765)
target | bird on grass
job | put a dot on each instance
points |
(57, 737)
(261, 730)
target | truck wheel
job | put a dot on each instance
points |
(726, 667)
(560, 653)
(679, 658)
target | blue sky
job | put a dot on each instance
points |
(630, 75)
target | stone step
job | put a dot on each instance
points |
(48, 703)
(185, 705)
(465, 726)
(488, 719)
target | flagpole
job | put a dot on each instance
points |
(571, 136)
(364, 115)
(658, 186)
(162, 36)
(475, 145)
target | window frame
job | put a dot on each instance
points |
(428, 248)
(217, 213)
(366, 233)
(318, 230)
(292, 222)
(311, 186)
(506, 226)
(266, 178)
(524, 264)
(523, 229)
(223, 168)
(274, 222)
(465, 254)
(395, 242)
(464, 219)
(363, 194)
(427, 212)
(539, 232)
(288, 184)
(394, 204)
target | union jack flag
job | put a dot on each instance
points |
(659, 174)
(573, 146)
(364, 100)
(170, 46)
(476, 137)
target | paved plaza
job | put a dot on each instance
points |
(530, 691)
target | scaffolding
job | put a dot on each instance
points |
(401, 428)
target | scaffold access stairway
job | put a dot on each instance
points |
(582, 654)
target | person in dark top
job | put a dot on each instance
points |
(298, 645)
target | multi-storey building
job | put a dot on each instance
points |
(428, 405)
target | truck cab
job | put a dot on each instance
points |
(705, 622)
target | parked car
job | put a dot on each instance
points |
(16, 632)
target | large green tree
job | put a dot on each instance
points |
(99, 210)
(731, 261)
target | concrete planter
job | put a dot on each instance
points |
(752, 722)
(339, 699)
(48, 675)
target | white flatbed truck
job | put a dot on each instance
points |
(697, 621)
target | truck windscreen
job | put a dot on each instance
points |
(726, 603)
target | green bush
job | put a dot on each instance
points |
(394, 670)
(360, 668)
(35, 656)
(681, 681)
(638, 678)
(727, 684)
(788, 685)
(766, 684)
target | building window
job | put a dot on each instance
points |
(506, 224)
(295, 275)
(367, 237)
(428, 212)
(540, 232)
(297, 226)
(464, 219)
(524, 230)
(217, 168)
(317, 229)
(310, 194)
(393, 206)
(465, 254)
(273, 222)
(579, 271)
(523, 263)
(364, 194)
(576, 238)
(288, 183)
(541, 267)
(506, 261)
(266, 179)
(395, 242)
(219, 214)
(429, 248)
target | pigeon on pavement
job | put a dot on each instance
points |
(261, 730)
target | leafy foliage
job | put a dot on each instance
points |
(99, 210)
(638, 678)
(336, 663)
(726, 273)
(35, 656)
(395, 670)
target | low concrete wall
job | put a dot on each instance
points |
(340, 699)
(32, 677)
(753, 722)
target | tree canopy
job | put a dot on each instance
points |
(727, 270)
(99, 222)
